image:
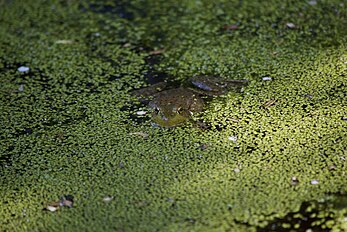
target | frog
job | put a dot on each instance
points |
(173, 107)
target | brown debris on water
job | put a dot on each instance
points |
(65, 201)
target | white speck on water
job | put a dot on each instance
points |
(291, 25)
(314, 181)
(237, 170)
(21, 88)
(232, 138)
(107, 199)
(312, 2)
(23, 69)
(143, 134)
(141, 112)
(64, 41)
(266, 78)
(52, 208)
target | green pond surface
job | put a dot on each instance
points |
(271, 158)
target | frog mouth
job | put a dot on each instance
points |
(165, 121)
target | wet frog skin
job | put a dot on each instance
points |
(172, 107)
(215, 86)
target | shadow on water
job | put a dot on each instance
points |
(312, 216)
(116, 9)
(31, 98)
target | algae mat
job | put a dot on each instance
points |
(271, 158)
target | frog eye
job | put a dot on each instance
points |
(222, 84)
(156, 110)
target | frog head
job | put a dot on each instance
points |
(175, 106)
